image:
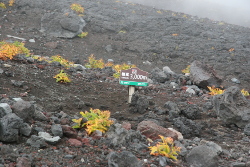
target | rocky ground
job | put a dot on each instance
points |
(215, 129)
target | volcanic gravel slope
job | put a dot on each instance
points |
(144, 36)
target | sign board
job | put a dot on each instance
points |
(134, 76)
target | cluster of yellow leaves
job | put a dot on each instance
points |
(96, 120)
(175, 34)
(62, 61)
(215, 91)
(231, 49)
(9, 50)
(11, 2)
(186, 70)
(2, 5)
(83, 34)
(245, 92)
(165, 148)
(93, 63)
(77, 8)
(62, 77)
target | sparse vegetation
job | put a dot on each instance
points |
(215, 91)
(77, 8)
(245, 92)
(186, 70)
(62, 77)
(83, 34)
(165, 148)
(96, 120)
(93, 63)
(9, 50)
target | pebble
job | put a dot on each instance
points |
(235, 80)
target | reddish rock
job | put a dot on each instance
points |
(126, 125)
(86, 141)
(152, 130)
(75, 142)
(69, 131)
(64, 121)
(23, 162)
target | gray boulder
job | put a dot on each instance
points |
(247, 130)
(204, 155)
(139, 103)
(57, 130)
(125, 158)
(232, 107)
(61, 25)
(187, 127)
(4, 109)
(118, 136)
(159, 76)
(173, 110)
(24, 110)
(203, 75)
(9, 127)
(48, 138)
(36, 141)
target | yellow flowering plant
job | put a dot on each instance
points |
(62, 77)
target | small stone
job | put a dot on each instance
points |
(32, 40)
(75, 142)
(235, 80)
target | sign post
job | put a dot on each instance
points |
(133, 77)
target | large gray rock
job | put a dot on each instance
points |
(125, 158)
(118, 136)
(61, 25)
(203, 75)
(139, 103)
(152, 130)
(187, 127)
(159, 76)
(4, 109)
(9, 127)
(24, 109)
(36, 141)
(204, 155)
(57, 130)
(232, 107)
(173, 110)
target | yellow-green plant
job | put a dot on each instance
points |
(62, 77)
(62, 61)
(9, 50)
(96, 120)
(215, 91)
(245, 92)
(77, 8)
(165, 148)
(186, 70)
(2, 5)
(83, 34)
(93, 63)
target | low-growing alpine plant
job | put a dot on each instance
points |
(96, 120)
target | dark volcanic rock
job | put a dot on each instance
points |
(204, 75)
(232, 107)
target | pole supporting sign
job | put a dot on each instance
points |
(133, 77)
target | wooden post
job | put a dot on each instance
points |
(131, 90)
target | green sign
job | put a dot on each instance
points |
(133, 83)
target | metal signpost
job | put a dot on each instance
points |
(133, 77)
